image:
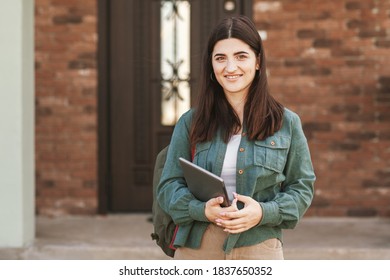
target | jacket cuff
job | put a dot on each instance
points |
(196, 210)
(270, 213)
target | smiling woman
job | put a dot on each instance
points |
(242, 134)
(235, 65)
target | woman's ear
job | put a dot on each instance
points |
(258, 62)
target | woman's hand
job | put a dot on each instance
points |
(241, 220)
(213, 209)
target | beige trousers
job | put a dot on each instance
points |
(211, 249)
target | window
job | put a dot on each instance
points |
(175, 60)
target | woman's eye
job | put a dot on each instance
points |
(241, 57)
(220, 58)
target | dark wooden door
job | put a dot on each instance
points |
(130, 129)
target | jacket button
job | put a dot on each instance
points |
(242, 149)
(272, 143)
(240, 171)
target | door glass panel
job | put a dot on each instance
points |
(175, 60)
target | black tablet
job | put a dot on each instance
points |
(203, 184)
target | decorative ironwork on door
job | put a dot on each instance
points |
(175, 60)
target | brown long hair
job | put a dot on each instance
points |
(263, 115)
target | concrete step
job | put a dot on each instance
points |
(128, 237)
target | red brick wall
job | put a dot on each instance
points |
(330, 62)
(327, 60)
(66, 81)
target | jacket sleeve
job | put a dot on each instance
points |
(172, 192)
(297, 191)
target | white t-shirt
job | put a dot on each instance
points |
(229, 165)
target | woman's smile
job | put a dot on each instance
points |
(232, 77)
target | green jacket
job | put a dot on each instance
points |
(277, 172)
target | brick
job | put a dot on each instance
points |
(48, 183)
(344, 52)
(316, 71)
(360, 62)
(81, 64)
(310, 33)
(347, 108)
(90, 184)
(314, 15)
(266, 25)
(353, 5)
(382, 43)
(346, 146)
(384, 116)
(311, 127)
(357, 23)
(362, 212)
(320, 202)
(326, 43)
(362, 136)
(361, 117)
(67, 19)
(298, 62)
(316, 126)
(370, 33)
(43, 112)
(332, 212)
(267, 6)
(384, 135)
(384, 175)
(384, 82)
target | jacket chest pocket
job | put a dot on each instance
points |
(201, 153)
(272, 153)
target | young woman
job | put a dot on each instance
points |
(241, 133)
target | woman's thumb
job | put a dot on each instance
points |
(216, 201)
(240, 197)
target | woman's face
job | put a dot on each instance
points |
(234, 64)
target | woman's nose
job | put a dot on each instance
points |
(231, 66)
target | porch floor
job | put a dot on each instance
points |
(127, 236)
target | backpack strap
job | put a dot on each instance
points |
(193, 150)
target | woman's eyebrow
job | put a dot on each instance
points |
(241, 52)
(236, 53)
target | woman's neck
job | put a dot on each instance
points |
(238, 103)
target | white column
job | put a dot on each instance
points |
(17, 169)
